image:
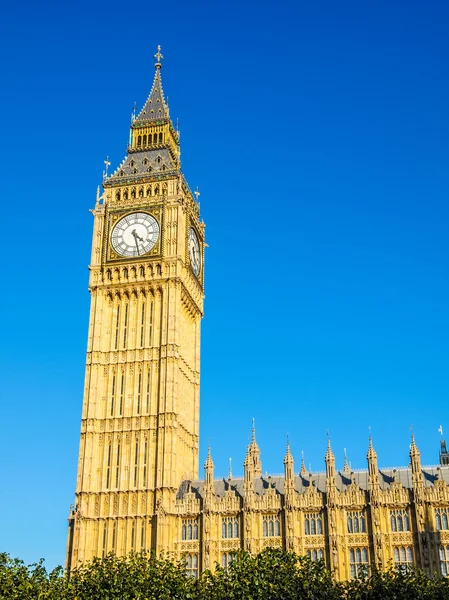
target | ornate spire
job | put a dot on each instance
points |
(230, 470)
(346, 466)
(330, 465)
(155, 108)
(303, 470)
(373, 471)
(209, 473)
(254, 454)
(153, 150)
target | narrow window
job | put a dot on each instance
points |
(223, 530)
(155, 138)
(139, 387)
(133, 535)
(142, 325)
(114, 536)
(148, 391)
(184, 531)
(145, 464)
(125, 324)
(139, 140)
(103, 552)
(122, 385)
(160, 138)
(150, 327)
(108, 468)
(117, 467)
(136, 458)
(113, 395)
(117, 327)
(142, 535)
(144, 140)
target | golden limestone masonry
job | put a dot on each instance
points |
(137, 486)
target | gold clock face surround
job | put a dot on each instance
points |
(194, 252)
(135, 234)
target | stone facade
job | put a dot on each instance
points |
(137, 486)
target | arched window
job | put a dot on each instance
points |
(400, 523)
(141, 192)
(393, 523)
(355, 522)
(223, 530)
(313, 527)
(125, 195)
(438, 521)
(141, 271)
(349, 524)
(230, 529)
(306, 526)
(189, 531)
(362, 524)
(406, 522)
(117, 195)
(155, 138)
(133, 193)
(271, 528)
(160, 138)
(444, 522)
(139, 140)
(265, 529)
(195, 530)
(277, 527)
(149, 190)
(144, 140)
(236, 528)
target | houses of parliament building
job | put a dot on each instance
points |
(138, 486)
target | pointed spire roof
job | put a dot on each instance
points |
(303, 470)
(288, 459)
(329, 453)
(155, 106)
(346, 466)
(371, 452)
(230, 470)
(414, 448)
(209, 462)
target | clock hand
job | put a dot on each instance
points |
(134, 234)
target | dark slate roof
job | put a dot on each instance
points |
(386, 478)
(155, 107)
(142, 162)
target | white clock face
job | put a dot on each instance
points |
(194, 252)
(135, 234)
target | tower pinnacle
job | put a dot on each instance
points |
(158, 56)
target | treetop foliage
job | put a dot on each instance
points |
(271, 575)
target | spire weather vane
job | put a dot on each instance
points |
(440, 430)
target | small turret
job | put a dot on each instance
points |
(289, 470)
(331, 482)
(415, 462)
(208, 474)
(444, 454)
(373, 470)
(303, 470)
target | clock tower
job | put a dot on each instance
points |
(139, 425)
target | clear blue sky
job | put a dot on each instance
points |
(318, 134)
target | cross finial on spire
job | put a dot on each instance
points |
(440, 430)
(107, 163)
(230, 469)
(158, 56)
(197, 194)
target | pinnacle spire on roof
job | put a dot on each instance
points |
(303, 470)
(209, 462)
(329, 453)
(371, 452)
(346, 466)
(155, 107)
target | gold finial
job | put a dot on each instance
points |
(158, 56)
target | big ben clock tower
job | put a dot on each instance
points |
(139, 427)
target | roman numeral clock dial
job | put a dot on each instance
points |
(194, 252)
(135, 235)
